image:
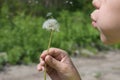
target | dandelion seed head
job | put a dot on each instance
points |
(51, 24)
(29, 1)
(66, 2)
(71, 2)
(36, 2)
(49, 14)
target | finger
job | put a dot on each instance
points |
(48, 69)
(42, 62)
(40, 68)
(54, 52)
(41, 65)
(53, 62)
(43, 55)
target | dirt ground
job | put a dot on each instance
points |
(100, 67)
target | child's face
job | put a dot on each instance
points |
(106, 18)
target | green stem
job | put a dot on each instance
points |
(50, 40)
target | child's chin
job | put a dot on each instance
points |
(109, 41)
(104, 39)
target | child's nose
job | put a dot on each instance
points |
(96, 3)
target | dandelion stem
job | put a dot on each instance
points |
(50, 40)
(49, 44)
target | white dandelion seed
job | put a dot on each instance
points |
(71, 2)
(36, 2)
(49, 14)
(66, 2)
(51, 24)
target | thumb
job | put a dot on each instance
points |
(52, 62)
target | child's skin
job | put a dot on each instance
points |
(59, 65)
(106, 18)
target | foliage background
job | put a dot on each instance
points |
(23, 39)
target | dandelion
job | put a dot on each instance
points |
(36, 2)
(71, 2)
(29, 1)
(49, 15)
(50, 25)
(68, 2)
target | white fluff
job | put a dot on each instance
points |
(51, 24)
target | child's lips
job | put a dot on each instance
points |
(94, 23)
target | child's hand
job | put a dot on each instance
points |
(59, 65)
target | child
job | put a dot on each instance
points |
(106, 18)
